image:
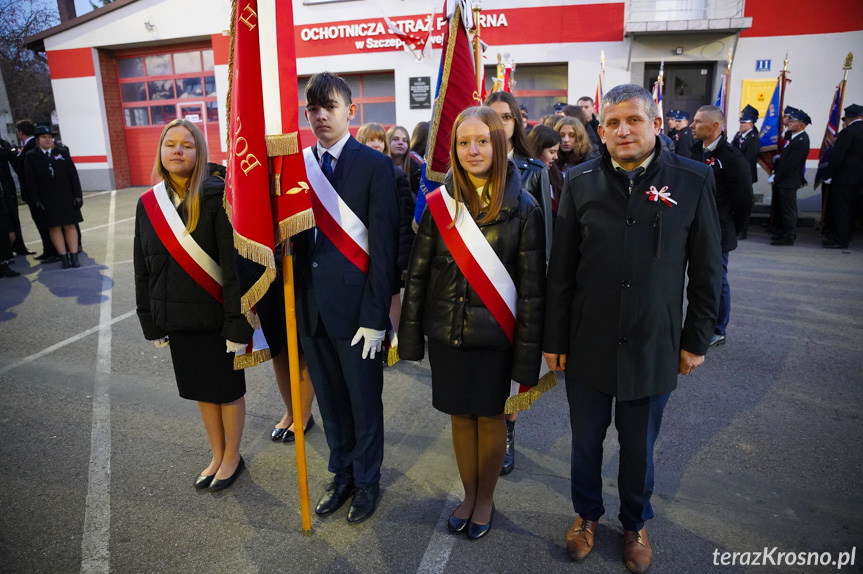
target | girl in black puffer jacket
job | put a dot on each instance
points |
(174, 309)
(472, 358)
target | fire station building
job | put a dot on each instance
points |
(120, 72)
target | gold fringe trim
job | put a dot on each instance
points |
(261, 255)
(295, 224)
(282, 144)
(522, 401)
(228, 210)
(393, 356)
(275, 184)
(252, 359)
(441, 98)
(231, 72)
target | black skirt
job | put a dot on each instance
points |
(469, 381)
(204, 371)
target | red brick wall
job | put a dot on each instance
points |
(114, 113)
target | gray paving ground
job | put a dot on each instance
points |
(760, 448)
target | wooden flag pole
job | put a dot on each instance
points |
(296, 394)
(477, 51)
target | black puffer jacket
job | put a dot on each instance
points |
(440, 304)
(168, 299)
(406, 217)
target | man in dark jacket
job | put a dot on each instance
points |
(682, 137)
(8, 158)
(627, 226)
(27, 137)
(733, 195)
(748, 141)
(788, 178)
(845, 174)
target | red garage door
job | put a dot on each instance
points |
(157, 87)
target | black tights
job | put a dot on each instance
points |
(480, 446)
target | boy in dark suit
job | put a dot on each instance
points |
(343, 295)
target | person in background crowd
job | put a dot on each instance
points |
(575, 146)
(8, 158)
(588, 109)
(845, 176)
(53, 185)
(343, 297)
(748, 142)
(549, 120)
(6, 231)
(788, 177)
(558, 108)
(733, 196)
(472, 358)
(547, 185)
(419, 142)
(529, 170)
(374, 136)
(27, 136)
(398, 143)
(176, 309)
(682, 137)
(614, 306)
(578, 113)
(524, 123)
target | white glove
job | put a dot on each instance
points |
(374, 341)
(770, 179)
(232, 347)
(828, 180)
(161, 343)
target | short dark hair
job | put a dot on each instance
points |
(541, 138)
(320, 89)
(583, 98)
(26, 127)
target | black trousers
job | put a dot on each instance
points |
(843, 207)
(39, 219)
(348, 389)
(786, 225)
(11, 200)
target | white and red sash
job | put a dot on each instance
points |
(202, 268)
(334, 218)
(343, 228)
(476, 259)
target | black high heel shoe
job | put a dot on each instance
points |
(456, 525)
(290, 436)
(475, 531)
(222, 484)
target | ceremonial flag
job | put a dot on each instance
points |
(829, 135)
(600, 92)
(657, 97)
(769, 133)
(720, 97)
(414, 43)
(267, 192)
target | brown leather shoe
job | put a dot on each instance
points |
(579, 539)
(636, 550)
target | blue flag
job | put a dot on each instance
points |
(720, 97)
(770, 128)
(829, 137)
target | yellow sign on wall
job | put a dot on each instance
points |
(757, 93)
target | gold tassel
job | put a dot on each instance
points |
(252, 359)
(261, 255)
(295, 224)
(522, 401)
(282, 144)
(393, 355)
(275, 184)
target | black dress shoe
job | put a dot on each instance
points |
(24, 251)
(782, 241)
(203, 480)
(475, 531)
(41, 256)
(833, 245)
(277, 433)
(456, 525)
(6, 271)
(364, 503)
(226, 482)
(291, 436)
(335, 496)
(50, 259)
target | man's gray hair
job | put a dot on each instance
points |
(626, 92)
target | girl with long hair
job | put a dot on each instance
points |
(179, 220)
(575, 145)
(472, 357)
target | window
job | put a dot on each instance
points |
(538, 87)
(166, 79)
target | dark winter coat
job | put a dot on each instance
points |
(52, 180)
(789, 167)
(734, 197)
(750, 147)
(440, 304)
(683, 142)
(846, 161)
(526, 166)
(614, 303)
(167, 298)
(406, 217)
